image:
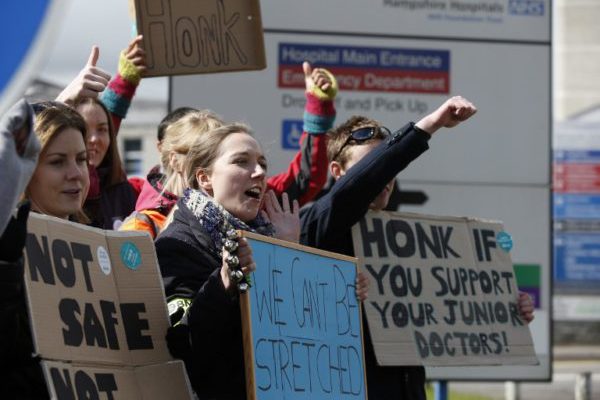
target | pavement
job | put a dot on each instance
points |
(568, 363)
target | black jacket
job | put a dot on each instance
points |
(211, 343)
(327, 225)
(21, 375)
(114, 203)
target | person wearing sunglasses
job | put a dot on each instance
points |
(364, 159)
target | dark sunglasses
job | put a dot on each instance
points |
(361, 135)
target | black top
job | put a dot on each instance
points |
(115, 203)
(21, 374)
(211, 342)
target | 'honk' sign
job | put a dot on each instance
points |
(443, 291)
(98, 313)
(193, 37)
(302, 324)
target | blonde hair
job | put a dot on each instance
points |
(206, 149)
(179, 138)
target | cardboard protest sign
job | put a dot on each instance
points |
(79, 381)
(443, 291)
(194, 37)
(302, 324)
(95, 297)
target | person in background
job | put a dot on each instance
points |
(112, 197)
(179, 129)
(162, 189)
(169, 119)
(58, 187)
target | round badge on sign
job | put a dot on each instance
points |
(130, 255)
(103, 260)
(504, 241)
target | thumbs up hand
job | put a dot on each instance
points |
(90, 81)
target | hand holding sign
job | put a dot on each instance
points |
(526, 307)
(454, 111)
(132, 61)
(245, 261)
(362, 286)
(90, 81)
(136, 54)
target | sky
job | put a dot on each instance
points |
(105, 23)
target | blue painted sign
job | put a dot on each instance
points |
(291, 130)
(305, 338)
(25, 36)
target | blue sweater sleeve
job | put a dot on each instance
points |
(328, 219)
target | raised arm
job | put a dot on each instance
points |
(90, 81)
(307, 172)
(19, 148)
(349, 199)
(454, 111)
(121, 89)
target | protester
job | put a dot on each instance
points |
(60, 182)
(20, 376)
(161, 190)
(169, 119)
(179, 129)
(364, 160)
(58, 187)
(111, 198)
(226, 171)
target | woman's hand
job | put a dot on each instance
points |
(526, 307)
(286, 220)
(135, 56)
(245, 259)
(90, 81)
(362, 286)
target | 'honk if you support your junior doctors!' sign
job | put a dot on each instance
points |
(443, 291)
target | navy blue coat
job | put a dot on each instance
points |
(327, 225)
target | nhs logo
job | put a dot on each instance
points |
(291, 130)
(526, 7)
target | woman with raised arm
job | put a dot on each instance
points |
(103, 103)
(58, 187)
